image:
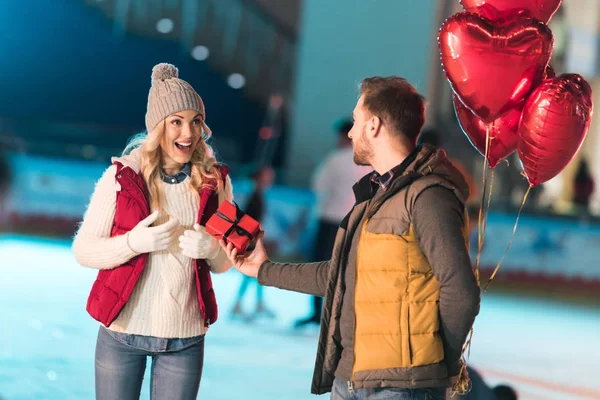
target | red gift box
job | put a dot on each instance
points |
(233, 226)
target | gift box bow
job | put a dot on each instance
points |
(239, 214)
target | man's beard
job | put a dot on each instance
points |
(363, 152)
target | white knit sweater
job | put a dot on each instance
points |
(164, 302)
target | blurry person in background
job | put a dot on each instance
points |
(332, 184)
(143, 230)
(505, 392)
(399, 293)
(5, 184)
(256, 208)
(583, 189)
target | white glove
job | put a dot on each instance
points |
(146, 239)
(198, 244)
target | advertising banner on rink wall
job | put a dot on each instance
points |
(543, 248)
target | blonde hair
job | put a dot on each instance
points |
(204, 164)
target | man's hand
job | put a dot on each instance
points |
(247, 264)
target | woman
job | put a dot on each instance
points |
(144, 230)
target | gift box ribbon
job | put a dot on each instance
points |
(234, 223)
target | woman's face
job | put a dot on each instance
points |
(183, 132)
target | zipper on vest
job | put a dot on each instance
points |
(360, 231)
(391, 192)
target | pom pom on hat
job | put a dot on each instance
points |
(164, 71)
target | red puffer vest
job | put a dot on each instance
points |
(112, 287)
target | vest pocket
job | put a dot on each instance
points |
(406, 359)
(425, 342)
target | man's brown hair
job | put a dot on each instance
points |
(398, 104)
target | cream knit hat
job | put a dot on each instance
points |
(169, 94)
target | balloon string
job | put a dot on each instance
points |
(463, 384)
(481, 218)
(487, 208)
(510, 241)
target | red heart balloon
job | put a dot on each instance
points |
(555, 120)
(499, 9)
(503, 132)
(492, 67)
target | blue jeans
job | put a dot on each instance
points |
(121, 363)
(340, 391)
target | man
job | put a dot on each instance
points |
(399, 293)
(332, 183)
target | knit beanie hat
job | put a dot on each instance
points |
(169, 94)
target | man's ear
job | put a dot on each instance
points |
(374, 126)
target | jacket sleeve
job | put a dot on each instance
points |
(438, 221)
(93, 246)
(310, 278)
